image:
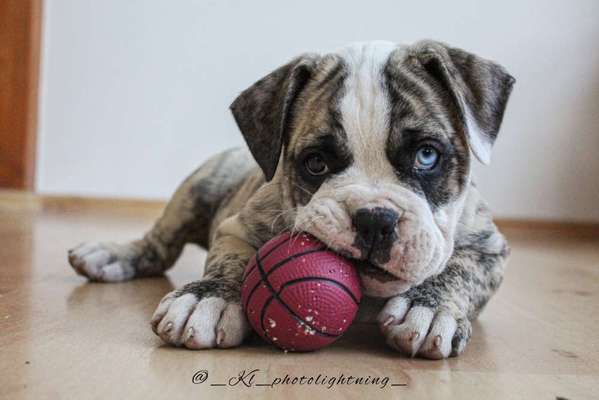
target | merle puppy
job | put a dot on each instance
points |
(369, 149)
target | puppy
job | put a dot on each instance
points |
(370, 150)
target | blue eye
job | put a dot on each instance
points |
(426, 158)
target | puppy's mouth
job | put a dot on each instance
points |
(372, 271)
(365, 267)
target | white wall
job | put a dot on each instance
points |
(135, 94)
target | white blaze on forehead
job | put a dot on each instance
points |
(365, 106)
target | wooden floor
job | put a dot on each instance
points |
(61, 337)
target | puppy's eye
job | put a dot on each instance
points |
(315, 164)
(426, 158)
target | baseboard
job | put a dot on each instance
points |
(26, 201)
(23, 201)
(98, 203)
(573, 228)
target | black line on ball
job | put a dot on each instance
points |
(295, 316)
(275, 267)
(269, 252)
(318, 278)
(262, 315)
(275, 295)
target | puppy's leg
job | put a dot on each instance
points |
(208, 313)
(433, 320)
(186, 219)
(155, 253)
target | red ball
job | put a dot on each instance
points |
(298, 295)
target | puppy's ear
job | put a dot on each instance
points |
(264, 111)
(479, 87)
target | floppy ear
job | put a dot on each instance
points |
(480, 88)
(264, 111)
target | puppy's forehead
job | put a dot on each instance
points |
(364, 106)
(319, 103)
(364, 94)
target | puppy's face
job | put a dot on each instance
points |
(375, 159)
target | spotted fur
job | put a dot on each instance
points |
(365, 111)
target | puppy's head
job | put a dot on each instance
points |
(371, 149)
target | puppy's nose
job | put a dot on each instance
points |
(375, 227)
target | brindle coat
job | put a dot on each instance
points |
(366, 112)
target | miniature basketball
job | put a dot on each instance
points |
(298, 295)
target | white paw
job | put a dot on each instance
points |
(103, 262)
(182, 320)
(424, 331)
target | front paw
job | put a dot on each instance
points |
(203, 314)
(104, 262)
(433, 332)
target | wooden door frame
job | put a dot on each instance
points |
(20, 36)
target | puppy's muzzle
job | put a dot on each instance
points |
(375, 233)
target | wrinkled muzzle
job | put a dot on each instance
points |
(389, 230)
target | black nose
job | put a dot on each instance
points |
(375, 231)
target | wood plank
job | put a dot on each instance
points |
(61, 337)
